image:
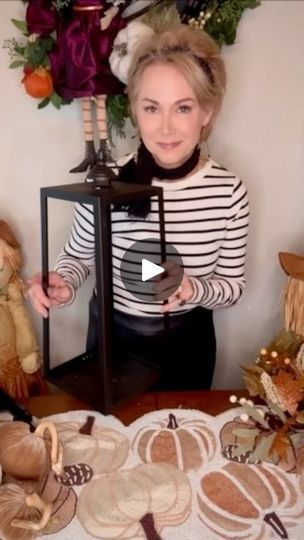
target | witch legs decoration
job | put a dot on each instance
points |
(99, 163)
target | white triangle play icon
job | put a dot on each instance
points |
(149, 269)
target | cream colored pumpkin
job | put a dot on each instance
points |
(127, 503)
(103, 448)
(248, 501)
(124, 46)
(187, 444)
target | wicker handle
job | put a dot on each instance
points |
(56, 449)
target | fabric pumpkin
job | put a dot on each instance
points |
(19, 509)
(184, 443)
(102, 448)
(146, 498)
(17, 443)
(28, 507)
(124, 46)
(248, 501)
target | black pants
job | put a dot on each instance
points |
(185, 355)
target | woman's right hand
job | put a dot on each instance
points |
(59, 292)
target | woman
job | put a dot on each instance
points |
(176, 85)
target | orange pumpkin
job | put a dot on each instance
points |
(186, 444)
(247, 501)
(38, 83)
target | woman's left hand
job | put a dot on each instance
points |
(175, 286)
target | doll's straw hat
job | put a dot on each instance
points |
(293, 265)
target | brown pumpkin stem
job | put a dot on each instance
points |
(86, 429)
(172, 424)
(276, 524)
(147, 523)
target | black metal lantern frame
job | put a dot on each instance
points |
(85, 376)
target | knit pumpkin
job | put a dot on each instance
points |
(19, 356)
(248, 501)
(127, 503)
(183, 443)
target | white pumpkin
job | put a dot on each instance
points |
(124, 46)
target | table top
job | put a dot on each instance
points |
(212, 402)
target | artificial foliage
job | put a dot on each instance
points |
(31, 53)
(272, 429)
(219, 18)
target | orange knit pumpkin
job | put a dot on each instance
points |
(38, 83)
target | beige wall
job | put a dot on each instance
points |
(259, 135)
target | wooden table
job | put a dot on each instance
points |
(212, 402)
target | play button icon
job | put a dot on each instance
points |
(150, 270)
(142, 268)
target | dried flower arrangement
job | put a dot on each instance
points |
(274, 431)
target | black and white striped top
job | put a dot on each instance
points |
(206, 220)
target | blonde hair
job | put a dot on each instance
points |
(197, 57)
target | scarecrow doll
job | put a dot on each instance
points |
(19, 356)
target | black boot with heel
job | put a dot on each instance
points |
(102, 171)
(89, 160)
